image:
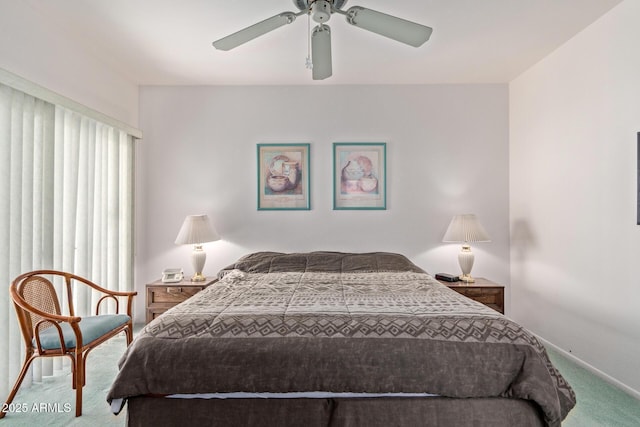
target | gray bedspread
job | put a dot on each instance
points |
(338, 322)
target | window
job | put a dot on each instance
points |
(66, 185)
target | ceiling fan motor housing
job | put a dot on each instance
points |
(321, 11)
(306, 4)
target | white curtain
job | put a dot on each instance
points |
(66, 203)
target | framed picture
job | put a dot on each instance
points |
(359, 175)
(283, 177)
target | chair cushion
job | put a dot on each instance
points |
(92, 327)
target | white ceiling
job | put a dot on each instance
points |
(168, 42)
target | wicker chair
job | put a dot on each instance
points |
(48, 333)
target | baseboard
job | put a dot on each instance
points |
(597, 372)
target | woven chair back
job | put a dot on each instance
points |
(41, 294)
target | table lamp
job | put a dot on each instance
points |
(465, 228)
(196, 230)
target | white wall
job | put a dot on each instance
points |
(37, 48)
(573, 162)
(447, 148)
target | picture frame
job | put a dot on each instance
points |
(360, 175)
(284, 176)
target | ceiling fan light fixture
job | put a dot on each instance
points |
(321, 52)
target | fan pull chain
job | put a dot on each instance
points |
(309, 62)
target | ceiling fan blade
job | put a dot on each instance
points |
(393, 27)
(255, 30)
(321, 52)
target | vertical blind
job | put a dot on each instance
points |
(66, 203)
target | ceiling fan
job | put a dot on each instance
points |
(389, 26)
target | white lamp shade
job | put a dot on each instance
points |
(465, 228)
(196, 229)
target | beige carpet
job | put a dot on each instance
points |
(47, 402)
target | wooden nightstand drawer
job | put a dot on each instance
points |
(482, 295)
(482, 290)
(163, 296)
(171, 294)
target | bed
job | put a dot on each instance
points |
(336, 339)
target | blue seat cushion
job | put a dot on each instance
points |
(92, 328)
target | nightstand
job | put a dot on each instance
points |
(162, 296)
(482, 290)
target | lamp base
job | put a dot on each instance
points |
(466, 278)
(198, 277)
(198, 257)
(465, 259)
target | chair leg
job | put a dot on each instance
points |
(129, 333)
(25, 367)
(73, 371)
(79, 381)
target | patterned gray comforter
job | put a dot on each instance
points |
(335, 322)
